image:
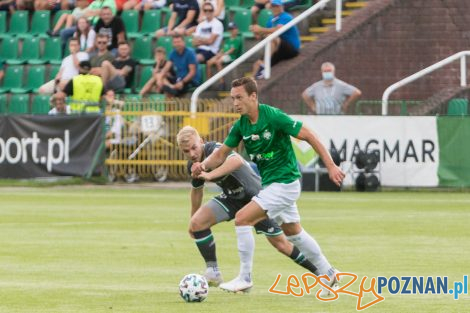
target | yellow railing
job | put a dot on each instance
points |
(146, 146)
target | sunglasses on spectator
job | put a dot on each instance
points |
(102, 42)
(208, 10)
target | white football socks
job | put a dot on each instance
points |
(246, 250)
(312, 251)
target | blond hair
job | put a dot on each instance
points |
(185, 134)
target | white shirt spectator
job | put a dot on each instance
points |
(68, 68)
(329, 98)
(89, 41)
(53, 111)
(205, 29)
(221, 16)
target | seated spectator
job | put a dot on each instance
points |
(85, 90)
(114, 122)
(25, 5)
(144, 5)
(8, 5)
(59, 107)
(257, 7)
(68, 69)
(2, 71)
(69, 20)
(285, 47)
(92, 12)
(112, 26)
(183, 19)
(208, 35)
(102, 54)
(86, 35)
(54, 5)
(119, 74)
(152, 86)
(232, 50)
(219, 9)
(184, 61)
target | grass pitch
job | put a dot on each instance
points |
(101, 249)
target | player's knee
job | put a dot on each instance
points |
(241, 220)
(196, 225)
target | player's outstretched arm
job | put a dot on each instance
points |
(232, 163)
(335, 173)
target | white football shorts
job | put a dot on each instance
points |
(279, 201)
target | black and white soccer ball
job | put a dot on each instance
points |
(194, 288)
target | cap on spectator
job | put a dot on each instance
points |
(85, 65)
(232, 25)
(276, 2)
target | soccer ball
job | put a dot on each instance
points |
(194, 288)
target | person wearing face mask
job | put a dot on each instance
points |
(330, 95)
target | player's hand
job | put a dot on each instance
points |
(205, 176)
(196, 169)
(336, 175)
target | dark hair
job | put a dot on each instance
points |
(79, 32)
(248, 83)
(74, 39)
(178, 36)
(123, 43)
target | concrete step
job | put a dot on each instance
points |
(328, 21)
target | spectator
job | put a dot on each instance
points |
(144, 5)
(2, 71)
(330, 95)
(257, 7)
(119, 74)
(114, 122)
(184, 60)
(282, 48)
(152, 84)
(91, 12)
(208, 35)
(59, 107)
(86, 35)
(112, 26)
(101, 55)
(232, 50)
(183, 19)
(8, 5)
(219, 9)
(69, 20)
(85, 90)
(68, 68)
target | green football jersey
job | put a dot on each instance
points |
(268, 144)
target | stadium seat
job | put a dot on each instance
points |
(166, 15)
(166, 43)
(243, 20)
(53, 70)
(40, 104)
(202, 72)
(34, 79)
(304, 5)
(52, 51)
(13, 78)
(130, 19)
(248, 3)
(3, 24)
(151, 21)
(144, 76)
(19, 24)
(3, 103)
(458, 107)
(142, 50)
(31, 51)
(19, 104)
(40, 23)
(189, 41)
(9, 51)
(232, 5)
(264, 16)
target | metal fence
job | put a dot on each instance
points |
(146, 146)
